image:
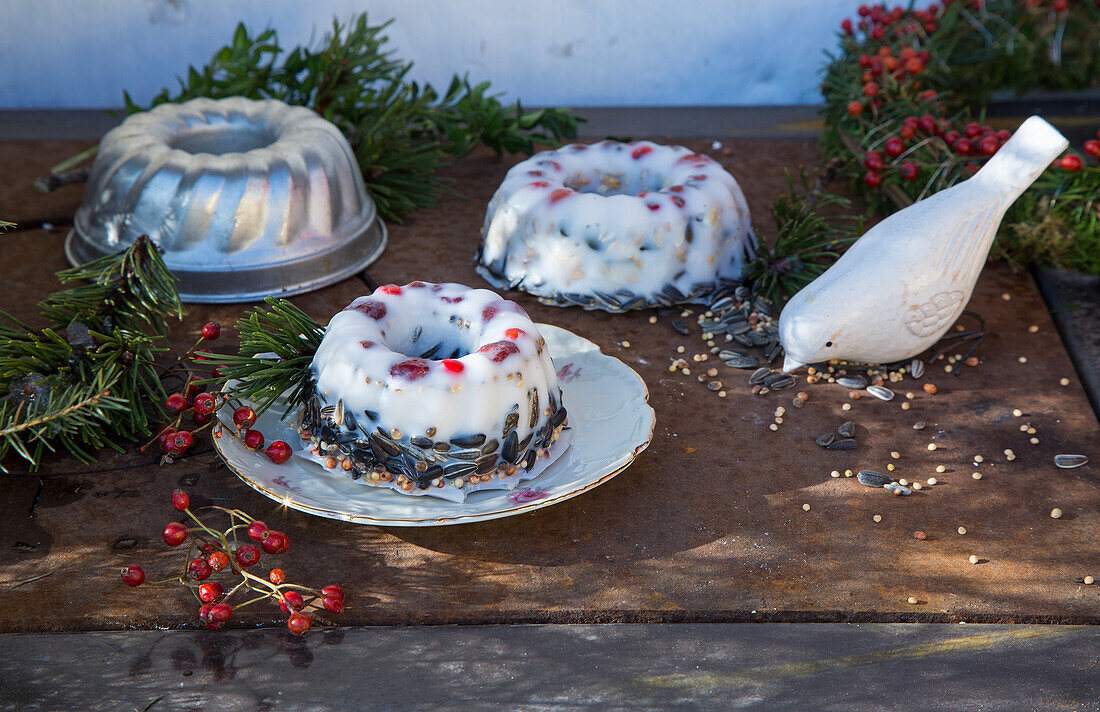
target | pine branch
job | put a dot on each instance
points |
(276, 350)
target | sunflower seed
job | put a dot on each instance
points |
(1068, 462)
(756, 338)
(759, 375)
(726, 354)
(338, 412)
(845, 444)
(680, 327)
(881, 392)
(895, 487)
(874, 479)
(846, 430)
(743, 361)
(825, 440)
(919, 425)
(737, 329)
(779, 381)
(916, 368)
(856, 382)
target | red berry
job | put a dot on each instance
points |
(1059, 5)
(560, 194)
(133, 575)
(182, 440)
(244, 417)
(1092, 147)
(220, 612)
(253, 440)
(200, 419)
(218, 560)
(217, 372)
(334, 591)
(846, 26)
(989, 145)
(908, 171)
(257, 530)
(209, 547)
(205, 403)
(951, 137)
(174, 534)
(411, 369)
(878, 32)
(907, 131)
(278, 452)
(870, 89)
(275, 542)
(855, 108)
(1071, 162)
(452, 365)
(332, 604)
(211, 330)
(640, 151)
(864, 61)
(372, 308)
(248, 555)
(293, 599)
(390, 289)
(973, 129)
(176, 402)
(180, 500)
(962, 146)
(165, 439)
(210, 592)
(276, 576)
(864, 11)
(199, 570)
(499, 350)
(873, 161)
(894, 147)
(299, 623)
(928, 123)
(872, 179)
(514, 334)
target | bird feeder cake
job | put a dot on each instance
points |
(433, 389)
(617, 226)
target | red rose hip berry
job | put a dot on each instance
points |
(176, 402)
(199, 570)
(299, 623)
(1071, 162)
(174, 534)
(248, 555)
(257, 530)
(278, 452)
(275, 542)
(205, 403)
(291, 600)
(181, 500)
(244, 417)
(218, 560)
(334, 591)
(253, 440)
(133, 575)
(211, 330)
(210, 591)
(276, 576)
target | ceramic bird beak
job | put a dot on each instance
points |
(789, 364)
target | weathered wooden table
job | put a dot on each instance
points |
(707, 526)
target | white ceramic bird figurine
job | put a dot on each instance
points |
(904, 283)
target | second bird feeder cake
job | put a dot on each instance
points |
(617, 226)
(434, 389)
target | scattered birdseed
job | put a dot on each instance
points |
(798, 402)
(916, 485)
(1030, 430)
(930, 388)
(912, 600)
(918, 534)
(1055, 513)
(773, 427)
(977, 475)
(834, 473)
(972, 361)
(715, 385)
(910, 395)
(652, 320)
(903, 482)
(846, 406)
(1064, 382)
(948, 369)
(895, 454)
(1022, 359)
(877, 518)
(1009, 455)
(941, 468)
(1006, 296)
(1034, 441)
(973, 559)
(1088, 580)
(803, 395)
(680, 349)
(721, 394)
(1068, 462)
(978, 458)
(805, 507)
(931, 446)
(890, 466)
(1033, 328)
(712, 372)
(962, 530)
(919, 425)
(905, 405)
(626, 344)
(847, 473)
(932, 480)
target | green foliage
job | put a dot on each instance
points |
(277, 347)
(807, 241)
(88, 380)
(967, 50)
(401, 132)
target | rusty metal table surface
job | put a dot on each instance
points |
(707, 525)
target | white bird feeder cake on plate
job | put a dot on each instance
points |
(433, 389)
(617, 226)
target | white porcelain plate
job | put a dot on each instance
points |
(610, 421)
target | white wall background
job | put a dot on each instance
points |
(83, 53)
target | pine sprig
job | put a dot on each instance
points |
(401, 132)
(277, 344)
(89, 379)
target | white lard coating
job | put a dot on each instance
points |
(614, 216)
(476, 400)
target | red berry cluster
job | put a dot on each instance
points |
(1073, 162)
(243, 420)
(211, 552)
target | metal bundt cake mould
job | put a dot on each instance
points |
(246, 198)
